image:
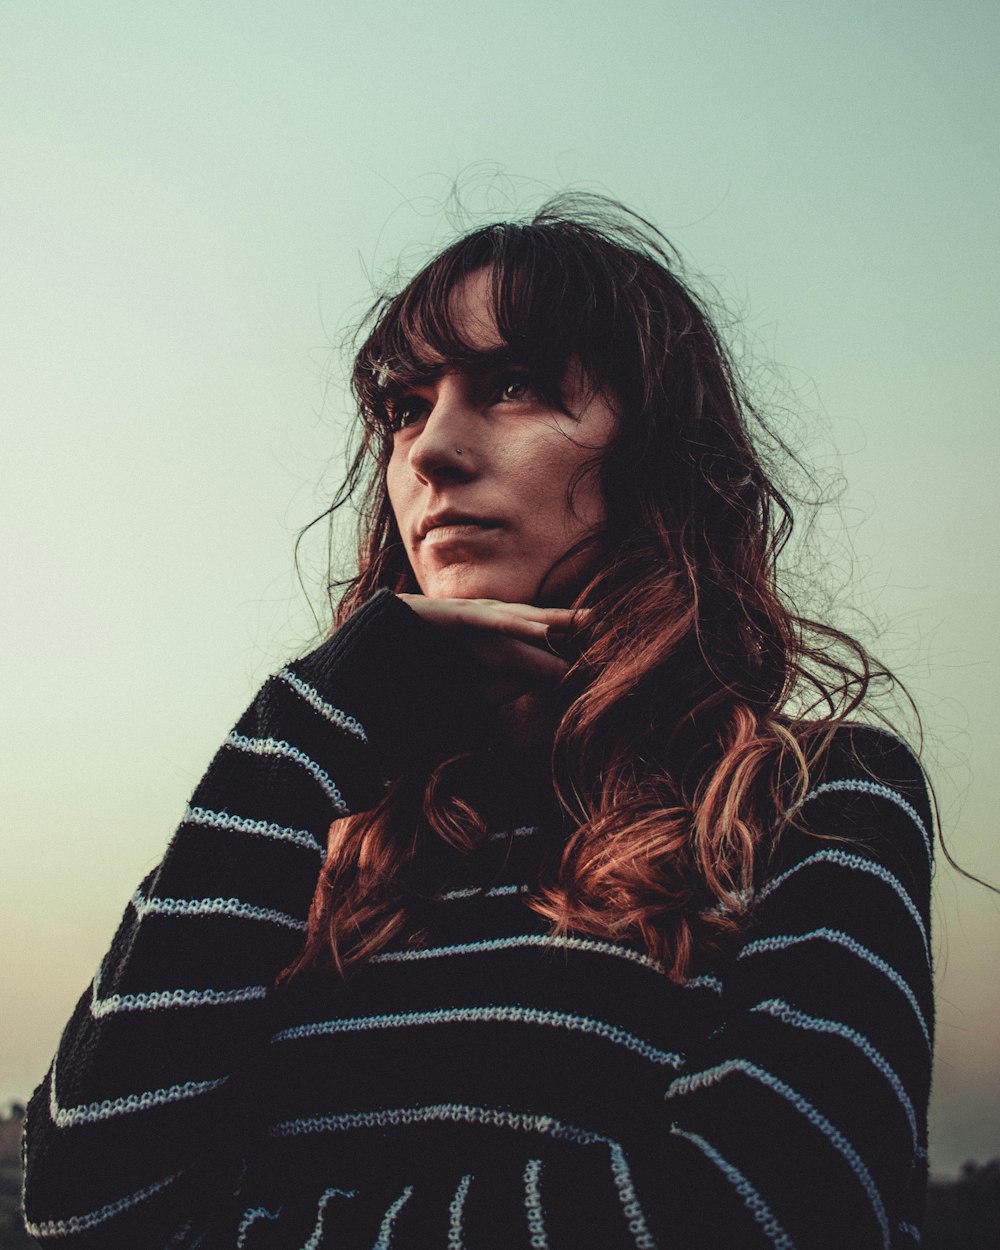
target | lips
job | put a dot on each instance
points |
(449, 519)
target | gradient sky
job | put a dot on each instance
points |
(194, 204)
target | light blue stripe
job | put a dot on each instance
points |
(250, 1218)
(789, 1015)
(316, 701)
(84, 1223)
(233, 907)
(316, 1239)
(484, 1015)
(389, 1219)
(544, 940)
(456, 1238)
(492, 1117)
(711, 1076)
(91, 1113)
(753, 1200)
(454, 1113)
(704, 983)
(622, 1177)
(839, 938)
(159, 1000)
(857, 785)
(860, 864)
(533, 1205)
(275, 746)
(262, 828)
(498, 891)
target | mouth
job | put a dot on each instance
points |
(454, 525)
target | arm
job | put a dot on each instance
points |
(138, 1105)
(804, 1123)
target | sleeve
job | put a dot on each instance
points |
(138, 1107)
(802, 1125)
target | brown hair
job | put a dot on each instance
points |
(678, 750)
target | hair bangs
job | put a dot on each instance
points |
(543, 300)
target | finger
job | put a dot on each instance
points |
(563, 618)
(478, 611)
(481, 615)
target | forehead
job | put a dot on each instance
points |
(474, 319)
(470, 309)
(472, 322)
(472, 342)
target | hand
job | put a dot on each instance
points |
(513, 643)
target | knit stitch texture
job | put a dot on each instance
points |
(490, 1088)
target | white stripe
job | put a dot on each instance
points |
(456, 1238)
(214, 907)
(316, 1240)
(857, 785)
(250, 1217)
(622, 1177)
(389, 1219)
(484, 1015)
(460, 1113)
(315, 700)
(703, 983)
(789, 1015)
(522, 831)
(545, 940)
(839, 938)
(533, 1205)
(157, 1000)
(711, 1076)
(498, 891)
(84, 1223)
(752, 1199)
(454, 1113)
(274, 746)
(240, 824)
(65, 1117)
(860, 864)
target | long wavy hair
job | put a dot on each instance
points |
(699, 700)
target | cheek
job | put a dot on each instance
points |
(395, 491)
(573, 490)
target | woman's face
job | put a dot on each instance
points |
(480, 473)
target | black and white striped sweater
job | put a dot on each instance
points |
(492, 1087)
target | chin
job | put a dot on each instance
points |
(477, 584)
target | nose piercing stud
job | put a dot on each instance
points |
(458, 451)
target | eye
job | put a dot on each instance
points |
(405, 412)
(514, 388)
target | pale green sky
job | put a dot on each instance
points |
(193, 199)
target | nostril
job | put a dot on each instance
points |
(437, 458)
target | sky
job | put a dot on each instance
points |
(198, 202)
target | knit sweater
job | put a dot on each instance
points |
(491, 1086)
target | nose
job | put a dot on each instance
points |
(445, 447)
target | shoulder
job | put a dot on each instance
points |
(868, 762)
(870, 750)
(867, 796)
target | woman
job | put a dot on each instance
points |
(620, 934)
